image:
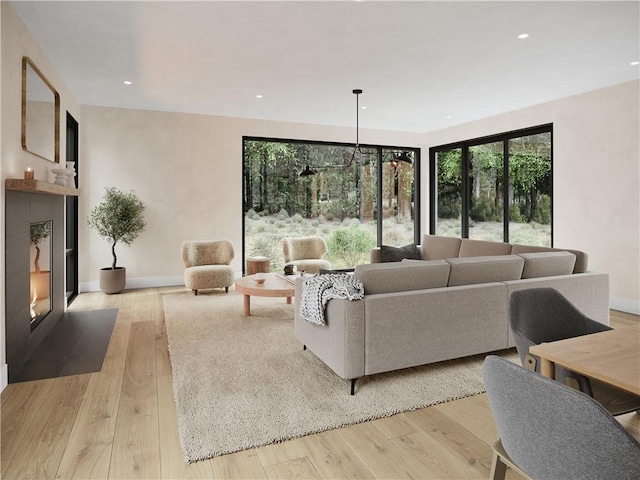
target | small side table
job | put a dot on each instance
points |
(258, 265)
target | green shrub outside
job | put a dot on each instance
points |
(515, 215)
(251, 214)
(282, 214)
(484, 210)
(543, 214)
(449, 207)
(349, 247)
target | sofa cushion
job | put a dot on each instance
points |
(402, 276)
(547, 264)
(481, 248)
(396, 254)
(582, 259)
(435, 247)
(495, 268)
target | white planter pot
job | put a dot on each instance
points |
(113, 281)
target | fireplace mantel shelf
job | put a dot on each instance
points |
(38, 186)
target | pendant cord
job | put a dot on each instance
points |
(357, 121)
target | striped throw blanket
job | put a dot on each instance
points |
(318, 290)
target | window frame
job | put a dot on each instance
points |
(378, 148)
(464, 146)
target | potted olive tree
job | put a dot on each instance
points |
(118, 218)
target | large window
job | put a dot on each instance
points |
(497, 188)
(355, 201)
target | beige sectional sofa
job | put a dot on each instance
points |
(453, 302)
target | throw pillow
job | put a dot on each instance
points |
(322, 271)
(397, 254)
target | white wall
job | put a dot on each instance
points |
(16, 42)
(4, 374)
(188, 170)
(596, 168)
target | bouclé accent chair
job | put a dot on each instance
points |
(306, 253)
(207, 264)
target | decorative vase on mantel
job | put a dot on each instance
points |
(61, 176)
(71, 173)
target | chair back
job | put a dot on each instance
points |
(552, 431)
(303, 248)
(538, 315)
(207, 252)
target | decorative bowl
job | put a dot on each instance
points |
(259, 279)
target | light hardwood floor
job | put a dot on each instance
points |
(121, 422)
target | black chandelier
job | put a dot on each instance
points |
(357, 93)
(309, 171)
(403, 157)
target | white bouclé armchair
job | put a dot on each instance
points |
(207, 264)
(305, 253)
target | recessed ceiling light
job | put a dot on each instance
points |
(127, 82)
(523, 35)
(634, 63)
(363, 108)
(448, 116)
(258, 96)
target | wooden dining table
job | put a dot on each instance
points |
(612, 357)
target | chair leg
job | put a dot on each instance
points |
(226, 289)
(498, 468)
(195, 291)
(353, 386)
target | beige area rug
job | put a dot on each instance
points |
(242, 382)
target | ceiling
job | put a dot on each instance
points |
(417, 62)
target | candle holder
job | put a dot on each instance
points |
(28, 174)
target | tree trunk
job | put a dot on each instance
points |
(113, 252)
(534, 205)
(36, 262)
(248, 188)
(263, 183)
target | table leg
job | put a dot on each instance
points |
(288, 300)
(547, 368)
(247, 305)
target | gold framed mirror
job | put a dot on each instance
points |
(40, 114)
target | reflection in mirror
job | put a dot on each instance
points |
(40, 261)
(40, 113)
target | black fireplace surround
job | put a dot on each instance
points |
(23, 209)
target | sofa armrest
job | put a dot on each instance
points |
(340, 342)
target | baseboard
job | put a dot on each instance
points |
(625, 305)
(140, 282)
(620, 304)
(4, 377)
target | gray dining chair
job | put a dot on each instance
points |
(540, 315)
(550, 431)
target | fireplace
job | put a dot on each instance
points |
(34, 273)
(40, 274)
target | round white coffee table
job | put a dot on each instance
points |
(273, 286)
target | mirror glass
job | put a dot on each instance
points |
(40, 271)
(40, 113)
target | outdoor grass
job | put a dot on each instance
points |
(264, 234)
